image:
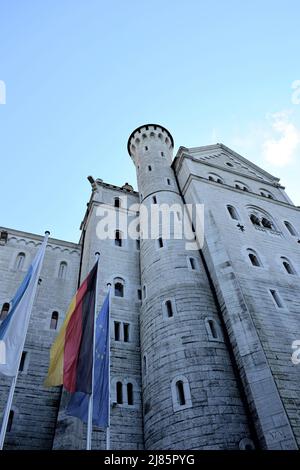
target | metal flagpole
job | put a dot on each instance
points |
(91, 399)
(108, 346)
(14, 380)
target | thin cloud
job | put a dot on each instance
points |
(282, 142)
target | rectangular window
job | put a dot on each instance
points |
(117, 331)
(23, 361)
(126, 332)
(276, 298)
(139, 294)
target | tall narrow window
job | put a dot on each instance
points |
(138, 244)
(3, 237)
(129, 394)
(144, 291)
(10, 420)
(233, 213)
(119, 392)
(288, 266)
(20, 261)
(126, 332)
(213, 329)
(54, 321)
(162, 154)
(139, 294)
(180, 393)
(149, 168)
(4, 311)
(192, 263)
(169, 308)
(168, 182)
(119, 289)
(276, 298)
(118, 238)
(117, 202)
(117, 330)
(255, 261)
(62, 270)
(160, 242)
(254, 219)
(23, 361)
(154, 200)
(291, 229)
(145, 364)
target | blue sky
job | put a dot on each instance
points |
(81, 75)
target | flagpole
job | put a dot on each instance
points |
(108, 346)
(91, 399)
(14, 379)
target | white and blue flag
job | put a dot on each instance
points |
(13, 328)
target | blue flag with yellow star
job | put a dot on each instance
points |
(79, 402)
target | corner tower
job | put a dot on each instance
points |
(190, 390)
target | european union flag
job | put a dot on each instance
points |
(79, 402)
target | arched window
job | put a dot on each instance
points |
(254, 219)
(117, 202)
(291, 229)
(241, 186)
(216, 178)
(118, 238)
(289, 268)
(266, 223)
(119, 287)
(119, 393)
(4, 311)
(20, 261)
(181, 393)
(10, 420)
(265, 193)
(233, 212)
(246, 444)
(54, 321)
(129, 393)
(254, 259)
(62, 272)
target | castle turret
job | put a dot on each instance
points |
(190, 392)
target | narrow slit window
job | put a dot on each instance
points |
(193, 263)
(168, 181)
(119, 387)
(23, 361)
(154, 200)
(10, 420)
(117, 202)
(180, 393)
(276, 298)
(213, 329)
(118, 238)
(126, 332)
(129, 394)
(62, 270)
(139, 294)
(20, 261)
(4, 311)
(149, 168)
(138, 244)
(169, 308)
(117, 330)
(160, 242)
(54, 321)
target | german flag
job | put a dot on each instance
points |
(71, 355)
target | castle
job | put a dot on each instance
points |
(201, 340)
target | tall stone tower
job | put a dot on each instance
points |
(190, 392)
